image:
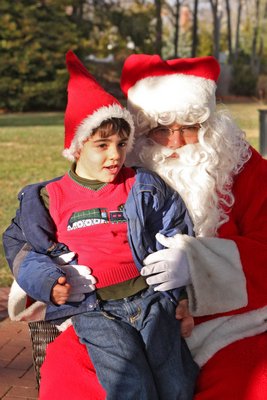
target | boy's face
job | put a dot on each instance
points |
(101, 158)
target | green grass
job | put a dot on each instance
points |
(30, 151)
(247, 117)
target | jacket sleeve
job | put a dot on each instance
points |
(33, 225)
(152, 207)
(37, 274)
(28, 240)
(36, 224)
(163, 210)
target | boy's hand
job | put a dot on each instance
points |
(60, 292)
(187, 321)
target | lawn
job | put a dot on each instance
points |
(30, 151)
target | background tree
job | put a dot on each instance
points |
(237, 35)
(217, 16)
(176, 15)
(195, 29)
(256, 22)
(34, 36)
(229, 31)
(158, 42)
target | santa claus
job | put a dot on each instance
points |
(201, 152)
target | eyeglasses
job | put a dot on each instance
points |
(187, 131)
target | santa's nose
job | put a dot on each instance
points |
(175, 141)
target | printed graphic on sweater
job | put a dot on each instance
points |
(95, 216)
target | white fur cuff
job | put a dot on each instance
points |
(218, 280)
(17, 310)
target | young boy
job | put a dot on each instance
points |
(108, 215)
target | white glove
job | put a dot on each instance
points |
(65, 258)
(168, 267)
(78, 276)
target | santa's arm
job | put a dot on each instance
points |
(248, 228)
(228, 272)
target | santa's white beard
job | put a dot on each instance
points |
(190, 175)
(203, 172)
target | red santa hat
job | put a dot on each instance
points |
(161, 92)
(88, 106)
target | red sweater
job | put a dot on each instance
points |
(91, 224)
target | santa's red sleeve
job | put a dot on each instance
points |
(229, 273)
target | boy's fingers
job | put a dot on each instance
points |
(61, 280)
(61, 302)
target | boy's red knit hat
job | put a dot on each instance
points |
(88, 106)
(159, 90)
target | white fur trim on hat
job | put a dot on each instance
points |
(165, 99)
(93, 121)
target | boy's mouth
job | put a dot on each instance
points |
(113, 169)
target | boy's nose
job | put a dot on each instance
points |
(114, 153)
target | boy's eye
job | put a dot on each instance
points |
(123, 144)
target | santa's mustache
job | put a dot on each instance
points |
(188, 155)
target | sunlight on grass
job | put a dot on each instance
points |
(30, 151)
(246, 116)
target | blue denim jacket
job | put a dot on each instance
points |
(152, 207)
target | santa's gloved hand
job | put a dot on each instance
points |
(80, 279)
(167, 268)
(78, 276)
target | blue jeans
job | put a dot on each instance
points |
(136, 348)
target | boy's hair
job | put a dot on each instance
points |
(113, 126)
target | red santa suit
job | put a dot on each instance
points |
(231, 346)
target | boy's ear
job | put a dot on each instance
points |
(77, 154)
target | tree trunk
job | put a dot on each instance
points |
(158, 44)
(216, 13)
(229, 31)
(254, 63)
(237, 33)
(176, 28)
(195, 29)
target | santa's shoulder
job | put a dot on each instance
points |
(253, 172)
